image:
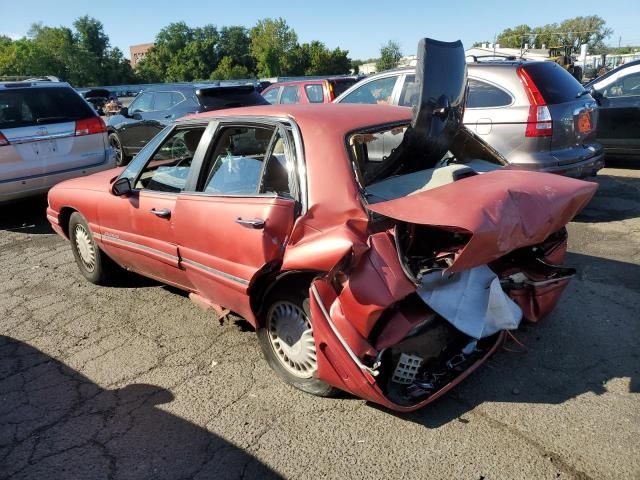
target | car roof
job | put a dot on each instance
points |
(343, 117)
(484, 64)
(25, 84)
(312, 80)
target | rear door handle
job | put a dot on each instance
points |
(256, 223)
(162, 213)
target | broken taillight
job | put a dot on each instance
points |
(539, 122)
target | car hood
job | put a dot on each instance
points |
(501, 211)
(97, 181)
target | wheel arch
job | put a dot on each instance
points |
(64, 217)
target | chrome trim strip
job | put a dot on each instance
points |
(353, 356)
(135, 245)
(32, 139)
(213, 271)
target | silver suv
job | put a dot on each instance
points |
(48, 133)
(534, 113)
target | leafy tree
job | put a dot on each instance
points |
(316, 59)
(390, 56)
(235, 43)
(91, 37)
(515, 37)
(228, 71)
(272, 46)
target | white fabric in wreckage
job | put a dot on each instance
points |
(472, 301)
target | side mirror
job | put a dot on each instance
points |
(124, 111)
(121, 187)
(597, 95)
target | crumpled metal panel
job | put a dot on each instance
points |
(502, 210)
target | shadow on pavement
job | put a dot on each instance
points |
(617, 198)
(587, 341)
(25, 216)
(56, 423)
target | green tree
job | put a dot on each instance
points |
(516, 37)
(228, 71)
(272, 46)
(390, 56)
(235, 43)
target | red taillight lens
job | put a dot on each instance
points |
(3, 140)
(539, 122)
(89, 126)
(332, 94)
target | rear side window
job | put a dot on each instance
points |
(375, 91)
(142, 103)
(410, 92)
(484, 95)
(555, 84)
(272, 95)
(216, 98)
(163, 101)
(290, 94)
(314, 93)
(24, 107)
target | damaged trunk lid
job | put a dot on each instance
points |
(499, 211)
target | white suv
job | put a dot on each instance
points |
(48, 133)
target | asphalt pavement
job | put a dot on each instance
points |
(137, 382)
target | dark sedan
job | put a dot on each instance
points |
(618, 95)
(154, 109)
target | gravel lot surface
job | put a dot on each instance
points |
(138, 383)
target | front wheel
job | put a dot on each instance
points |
(115, 143)
(94, 265)
(286, 339)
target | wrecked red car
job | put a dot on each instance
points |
(375, 250)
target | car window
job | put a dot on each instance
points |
(272, 95)
(290, 94)
(554, 83)
(409, 95)
(236, 161)
(177, 97)
(376, 91)
(627, 86)
(168, 168)
(162, 101)
(142, 103)
(484, 95)
(314, 93)
(26, 107)
(341, 85)
(368, 151)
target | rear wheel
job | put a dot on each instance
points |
(94, 265)
(286, 339)
(121, 157)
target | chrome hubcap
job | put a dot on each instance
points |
(84, 245)
(291, 338)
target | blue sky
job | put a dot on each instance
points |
(358, 26)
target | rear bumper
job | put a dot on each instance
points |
(577, 162)
(36, 185)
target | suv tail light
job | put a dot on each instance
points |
(332, 94)
(539, 122)
(89, 126)
(3, 140)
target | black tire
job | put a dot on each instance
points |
(307, 380)
(121, 158)
(94, 265)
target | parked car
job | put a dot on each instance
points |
(308, 91)
(618, 96)
(534, 113)
(98, 97)
(48, 133)
(154, 109)
(389, 278)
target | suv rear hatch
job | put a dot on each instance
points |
(560, 111)
(47, 130)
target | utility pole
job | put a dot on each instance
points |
(619, 40)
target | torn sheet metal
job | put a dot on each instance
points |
(472, 301)
(502, 210)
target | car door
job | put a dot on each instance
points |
(237, 222)
(133, 134)
(137, 230)
(619, 120)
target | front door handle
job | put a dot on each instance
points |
(255, 223)
(162, 213)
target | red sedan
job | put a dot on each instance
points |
(374, 251)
